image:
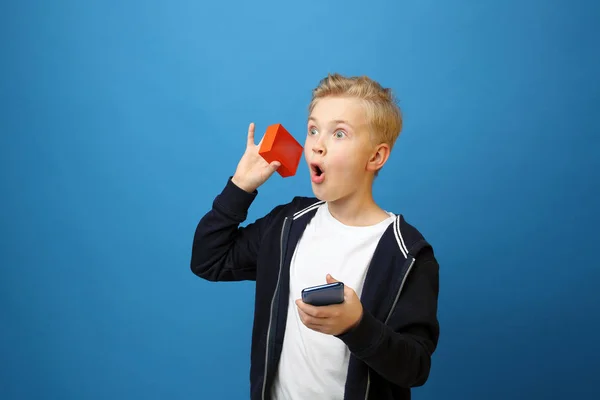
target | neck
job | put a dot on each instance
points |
(357, 209)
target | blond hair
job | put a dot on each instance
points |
(383, 113)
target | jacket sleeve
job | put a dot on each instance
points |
(221, 249)
(400, 351)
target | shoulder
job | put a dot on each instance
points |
(408, 238)
(415, 247)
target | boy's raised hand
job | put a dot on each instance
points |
(253, 170)
(334, 319)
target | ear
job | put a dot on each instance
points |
(378, 158)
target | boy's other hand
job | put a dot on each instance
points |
(253, 170)
(334, 319)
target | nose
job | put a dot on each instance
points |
(318, 147)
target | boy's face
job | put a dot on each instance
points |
(338, 148)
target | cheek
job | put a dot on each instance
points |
(351, 168)
(344, 164)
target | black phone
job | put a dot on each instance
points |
(324, 295)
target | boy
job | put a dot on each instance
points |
(378, 343)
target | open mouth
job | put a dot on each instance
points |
(316, 169)
(317, 173)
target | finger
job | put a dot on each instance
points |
(320, 312)
(269, 170)
(348, 291)
(309, 321)
(275, 165)
(251, 134)
(309, 309)
(259, 144)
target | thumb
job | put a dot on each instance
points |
(331, 279)
(275, 165)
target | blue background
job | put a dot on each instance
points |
(121, 121)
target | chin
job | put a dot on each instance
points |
(319, 192)
(323, 194)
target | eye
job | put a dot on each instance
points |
(312, 131)
(340, 134)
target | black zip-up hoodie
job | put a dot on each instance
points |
(392, 345)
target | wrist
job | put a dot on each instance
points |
(354, 323)
(364, 336)
(242, 185)
(357, 321)
(234, 201)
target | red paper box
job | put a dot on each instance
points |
(279, 145)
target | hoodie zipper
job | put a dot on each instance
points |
(281, 254)
(412, 262)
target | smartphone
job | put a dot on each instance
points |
(324, 295)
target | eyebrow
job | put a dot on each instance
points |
(337, 121)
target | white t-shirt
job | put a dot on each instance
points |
(314, 365)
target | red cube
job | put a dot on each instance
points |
(279, 145)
